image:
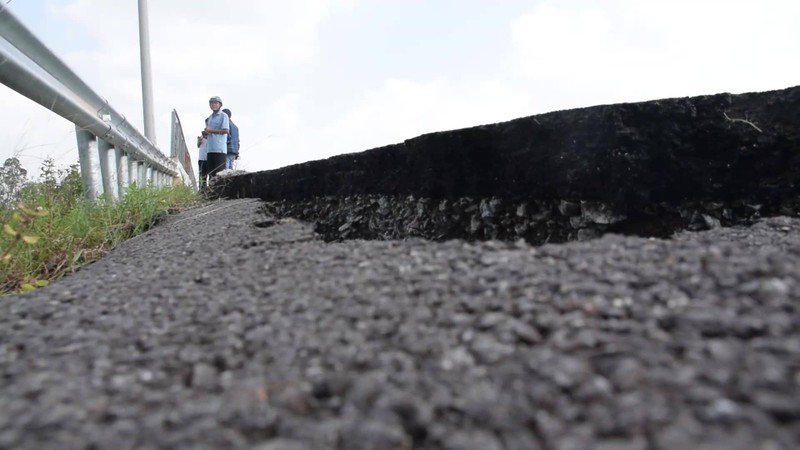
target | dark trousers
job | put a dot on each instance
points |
(215, 162)
(202, 172)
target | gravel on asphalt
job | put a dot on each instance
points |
(226, 328)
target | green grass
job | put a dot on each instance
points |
(52, 231)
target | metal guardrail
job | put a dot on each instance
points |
(30, 68)
(179, 151)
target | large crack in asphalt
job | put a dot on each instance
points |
(228, 326)
(337, 218)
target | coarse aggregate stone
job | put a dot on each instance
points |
(224, 327)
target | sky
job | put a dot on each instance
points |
(310, 79)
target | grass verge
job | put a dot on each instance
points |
(52, 231)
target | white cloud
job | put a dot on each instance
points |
(563, 44)
(402, 109)
(32, 133)
(630, 50)
(395, 111)
(301, 91)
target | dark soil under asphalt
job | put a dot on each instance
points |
(226, 328)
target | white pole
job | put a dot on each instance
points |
(147, 85)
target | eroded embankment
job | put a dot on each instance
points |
(537, 222)
(648, 169)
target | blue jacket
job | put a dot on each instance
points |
(233, 139)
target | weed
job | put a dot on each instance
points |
(54, 230)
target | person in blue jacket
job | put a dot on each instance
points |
(233, 141)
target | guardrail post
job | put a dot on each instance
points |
(106, 170)
(123, 179)
(142, 171)
(89, 162)
(135, 177)
(133, 171)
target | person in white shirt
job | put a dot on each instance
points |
(202, 146)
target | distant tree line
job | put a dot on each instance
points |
(54, 183)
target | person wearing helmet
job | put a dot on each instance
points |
(217, 128)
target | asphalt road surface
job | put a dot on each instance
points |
(223, 328)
